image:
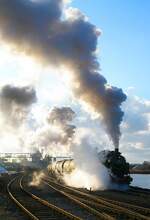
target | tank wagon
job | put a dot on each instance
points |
(116, 164)
(61, 167)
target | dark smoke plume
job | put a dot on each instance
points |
(15, 102)
(24, 96)
(38, 29)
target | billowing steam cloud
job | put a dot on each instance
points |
(87, 174)
(15, 103)
(56, 135)
(61, 117)
(39, 29)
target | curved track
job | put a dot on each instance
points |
(33, 206)
(118, 210)
(73, 205)
(99, 214)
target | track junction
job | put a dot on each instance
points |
(52, 200)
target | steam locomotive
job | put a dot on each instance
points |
(117, 166)
(115, 163)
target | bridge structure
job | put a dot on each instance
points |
(16, 155)
(29, 156)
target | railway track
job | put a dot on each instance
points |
(88, 213)
(34, 207)
(139, 192)
(139, 209)
(118, 210)
(99, 214)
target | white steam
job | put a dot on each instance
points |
(89, 172)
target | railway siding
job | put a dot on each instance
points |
(33, 206)
(76, 200)
(115, 207)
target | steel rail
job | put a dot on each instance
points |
(140, 190)
(17, 202)
(44, 202)
(100, 200)
(58, 210)
(136, 208)
(83, 205)
(108, 209)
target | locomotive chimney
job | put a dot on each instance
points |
(116, 149)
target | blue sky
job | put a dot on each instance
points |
(124, 44)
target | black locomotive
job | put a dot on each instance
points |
(117, 166)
